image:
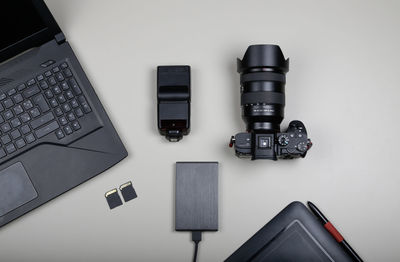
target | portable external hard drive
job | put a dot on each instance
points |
(196, 206)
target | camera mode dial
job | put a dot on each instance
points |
(283, 140)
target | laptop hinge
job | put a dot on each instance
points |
(60, 38)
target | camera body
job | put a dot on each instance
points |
(263, 77)
(293, 143)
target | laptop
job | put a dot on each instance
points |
(54, 132)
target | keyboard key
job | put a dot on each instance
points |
(66, 107)
(8, 115)
(41, 103)
(69, 94)
(15, 134)
(31, 91)
(61, 99)
(18, 98)
(35, 112)
(48, 73)
(57, 90)
(30, 138)
(40, 77)
(15, 122)
(25, 129)
(5, 139)
(64, 65)
(27, 104)
(59, 134)
(85, 105)
(79, 112)
(47, 129)
(5, 127)
(86, 108)
(49, 94)
(68, 129)
(71, 117)
(2, 153)
(53, 102)
(18, 109)
(1, 119)
(21, 87)
(20, 143)
(67, 73)
(47, 63)
(74, 103)
(12, 92)
(58, 111)
(2, 96)
(8, 103)
(64, 85)
(1, 108)
(43, 85)
(52, 81)
(59, 77)
(10, 148)
(31, 82)
(76, 126)
(56, 69)
(75, 86)
(42, 120)
(25, 117)
(63, 121)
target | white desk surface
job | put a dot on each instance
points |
(343, 83)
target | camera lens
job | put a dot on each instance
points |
(262, 79)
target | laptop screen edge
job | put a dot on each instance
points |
(36, 39)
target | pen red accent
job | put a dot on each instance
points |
(331, 229)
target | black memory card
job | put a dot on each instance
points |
(127, 191)
(113, 198)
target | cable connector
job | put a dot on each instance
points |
(196, 238)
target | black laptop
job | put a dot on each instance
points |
(54, 132)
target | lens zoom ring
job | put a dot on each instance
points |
(262, 76)
(263, 97)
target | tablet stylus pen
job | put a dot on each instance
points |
(333, 231)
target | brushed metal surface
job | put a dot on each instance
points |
(196, 196)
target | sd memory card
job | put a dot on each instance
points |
(113, 198)
(127, 191)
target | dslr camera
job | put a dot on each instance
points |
(262, 78)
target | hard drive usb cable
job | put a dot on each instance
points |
(196, 238)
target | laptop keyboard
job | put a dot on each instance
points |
(48, 103)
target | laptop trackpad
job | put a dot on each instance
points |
(16, 188)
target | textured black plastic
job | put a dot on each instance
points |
(295, 234)
(263, 97)
(262, 76)
(196, 196)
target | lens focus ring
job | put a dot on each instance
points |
(263, 97)
(262, 76)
